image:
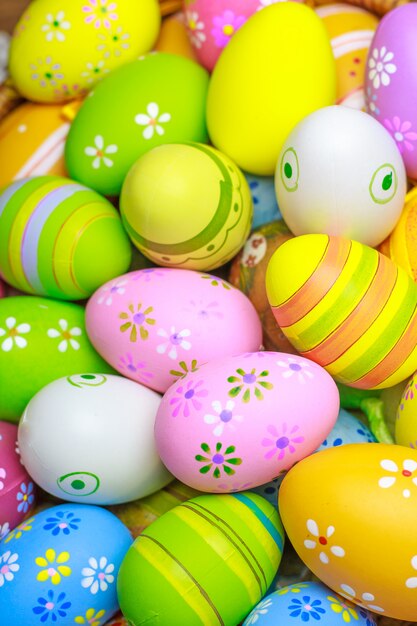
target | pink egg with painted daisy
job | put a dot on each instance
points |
(157, 324)
(212, 23)
(239, 422)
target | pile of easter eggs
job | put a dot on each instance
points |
(208, 315)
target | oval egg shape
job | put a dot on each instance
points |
(238, 422)
(338, 520)
(56, 431)
(406, 422)
(249, 120)
(40, 340)
(61, 566)
(158, 99)
(177, 569)
(47, 62)
(59, 239)
(347, 307)
(132, 326)
(391, 78)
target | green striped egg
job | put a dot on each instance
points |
(186, 205)
(59, 238)
(206, 562)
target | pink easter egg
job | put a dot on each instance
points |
(391, 80)
(17, 490)
(212, 23)
(155, 325)
(239, 422)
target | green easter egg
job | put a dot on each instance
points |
(158, 99)
(40, 340)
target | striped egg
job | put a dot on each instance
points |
(59, 238)
(207, 562)
(401, 246)
(159, 203)
(347, 307)
(350, 30)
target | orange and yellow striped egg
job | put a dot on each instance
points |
(351, 30)
(347, 307)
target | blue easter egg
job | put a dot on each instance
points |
(307, 602)
(265, 207)
(348, 429)
(60, 566)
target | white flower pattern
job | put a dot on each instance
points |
(94, 71)
(4, 530)
(260, 609)
(294, 367)
(224, 417)
(55, 25)
(114, 42)
(152, 121)
(411, 583)
(8, 567)
(99, 152)
(195, 28)
(174, 340)
(3, 474)
(322, 541)
(13, 333)
(116, 287)
(66, 335)
(366, 600)
(98, 576)
(381, 67)
(408, 469)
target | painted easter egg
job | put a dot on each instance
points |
(158, 99)
(40, 340)
(61, 565)
(68, 432)
(347, 307)
(59, 239)
(238, 422)
(406, 417)
(249, 119)
(351, 30)
(162, 190)
(356, 192)
(177, 568)
(307, 602)
(265, 207)
(391, 78)
(47, 62)
(173, 37)
(17, 489)
(247, 273)
(401, 245)
(335, 540)
(129, 323)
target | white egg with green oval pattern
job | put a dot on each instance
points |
(186, 205)
(40, 340)
(155, 100)
(61, 48)
(89, 438)
(341, 173)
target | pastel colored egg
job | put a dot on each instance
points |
(59, 238)
(40, 340)
(347, 307)
(249, 119)
(61, 565)
(247, 273)
(238, 422)
(131, 326)
(406, 417)
(17, 490)
(339, 172)
(173, 37)
(61, 421)
(391, 78)
(265, 207)
(351, 30)
(193, 560)
(305, 602)
(47, 62)
(158, 99)
(338, 521)
(162, 190)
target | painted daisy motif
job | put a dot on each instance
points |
(381, 67)
(98, 576)
(403, 133)
(174, 341)
(91, 617)
(294, 589)
(94, 71)
(321, 542)
(54, 26)
(13, 334)
(216, 460)
(53, 567)
(17, 532)
(8, 567)
(195, 28)
(100, 13)
(152, 121)
(407, 476)
(366, 599)
(114, 42)
(344, 608)
(187, 397)
(137, 320)
(47, 73)
(100, 153)
(294, 367)
(411, 583)
(223, 418)
(108, 292)
(66, 335)
(281, 442)
(261, 609)
(248, 383)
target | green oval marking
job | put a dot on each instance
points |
(78, 484)
(288, 170)
(387, 182)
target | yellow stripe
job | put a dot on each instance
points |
(178, 578)
(407, 368)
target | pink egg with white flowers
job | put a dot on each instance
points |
(17, 490)
(391, 80)
(239, 422)
(157, 324)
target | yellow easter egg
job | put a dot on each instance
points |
(351, 30)
(350, 513)
(173, 37)
(61, 48)
(406, 422)
(347, 307)
(278, 68)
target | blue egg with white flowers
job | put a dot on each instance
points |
(265, 207)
